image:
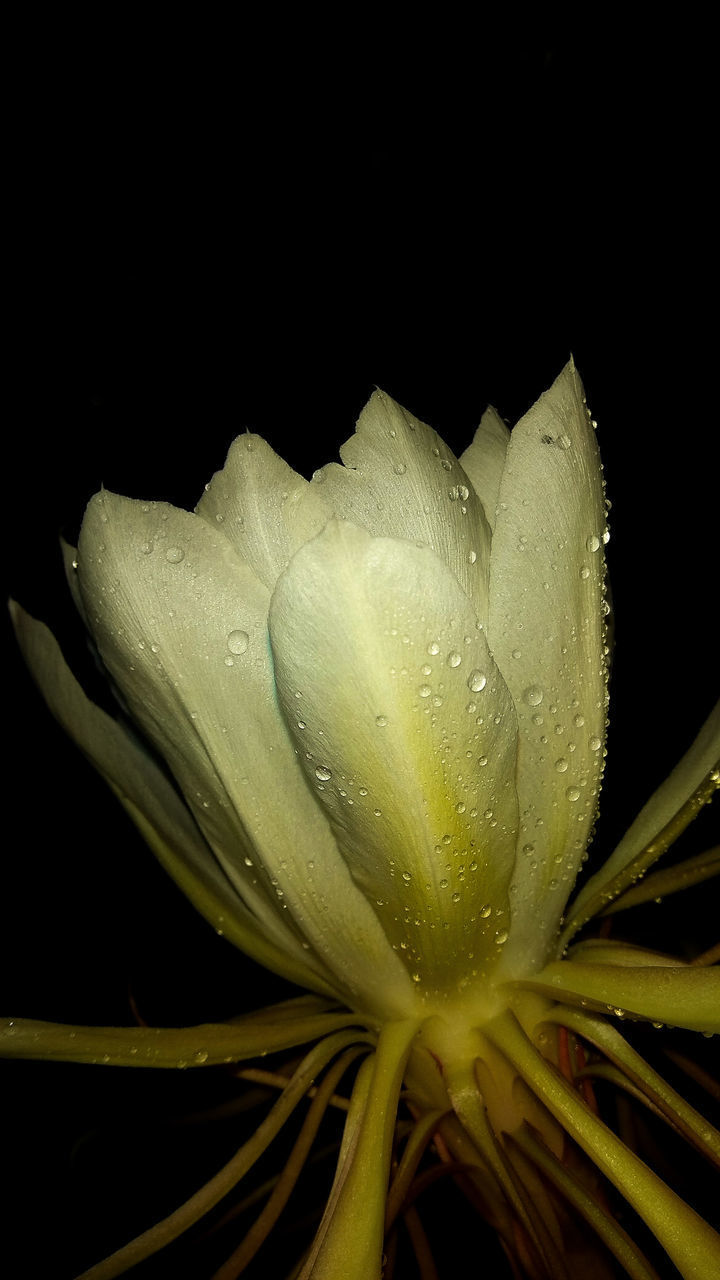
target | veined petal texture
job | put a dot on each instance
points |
(484, 460)
(400, 480)
(263, 507)
(407, 734)
(181, 624)
(546, 633)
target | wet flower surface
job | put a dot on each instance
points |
(369, 734)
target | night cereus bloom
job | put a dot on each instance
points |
(380, 700)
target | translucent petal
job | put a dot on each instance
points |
(545, 631)
(407, 735)
(400, 480)
(263, 507)
(484, 460)
(181, 623)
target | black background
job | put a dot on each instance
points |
(218, 229)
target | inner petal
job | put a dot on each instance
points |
(407, 735)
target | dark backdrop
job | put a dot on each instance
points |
(219, 230)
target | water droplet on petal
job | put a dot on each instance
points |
(174, 555)
(561, 764)
(381, 721)
(238, 641)
(533, 695)
(593, 542)
(322, 773)
(476, 681)
(454, 659)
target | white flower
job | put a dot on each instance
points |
(382, 697)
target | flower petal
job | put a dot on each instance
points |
(546, 633)
(400, 480)
(407, 735)
(152, 802)
(208, 1044)
(668, 811)
(263, 507)
(350, 1236)
(484, 460)
(684, 995)
(181, 624)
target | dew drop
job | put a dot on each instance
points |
(593, 542)
(476, 681)
(454, 659)
(238, 641)
(584, 572)
(573, 793)
(433, 648)
(595, 744)
(561, 764)
(485, 911)
(400, 469)
(174, 555)
(381, 721)
(322, 773)
(533, 695)
(424, 690)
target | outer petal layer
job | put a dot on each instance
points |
(658, 824)
(181, 624)
(407, 734)
(400, 480)
(152, 803)
(546, 633)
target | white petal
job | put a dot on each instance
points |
(263, 507)
(408, 737)
(400, 480)
(181, 624)
(151, 801)
(484, 460)
(546, 633)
